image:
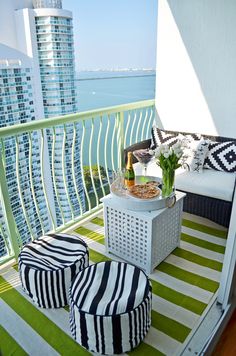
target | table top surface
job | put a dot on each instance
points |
(119, 203)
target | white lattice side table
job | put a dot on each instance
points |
(144, 238)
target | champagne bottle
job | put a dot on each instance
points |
(129, 172)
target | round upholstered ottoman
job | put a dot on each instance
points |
(48, 265)
(110, 307)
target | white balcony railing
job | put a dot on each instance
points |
(54, 171)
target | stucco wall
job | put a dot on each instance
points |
(196, 66)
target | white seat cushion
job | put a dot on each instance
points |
(210, 183)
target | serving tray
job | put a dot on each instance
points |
(130, 202)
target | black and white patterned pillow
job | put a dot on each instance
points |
(195, 152)
(163, 137)
(221, 156)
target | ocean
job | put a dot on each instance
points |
(99, 89)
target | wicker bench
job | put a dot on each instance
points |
(217, 209)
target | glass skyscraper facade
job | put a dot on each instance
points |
(43, 89)
(56, 60)
(17, 106)
(55, 45)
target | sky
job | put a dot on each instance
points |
(112, 34)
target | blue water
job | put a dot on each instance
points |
(98, 90)
(101, 89)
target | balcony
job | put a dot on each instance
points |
(52, 30)
(50, 21)
(82, 151)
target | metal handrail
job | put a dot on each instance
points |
(61, 120)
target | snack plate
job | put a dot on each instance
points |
(131, 202)
(158, 196)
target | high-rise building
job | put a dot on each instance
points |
(43, 32)
(54, 36)
(17, 106)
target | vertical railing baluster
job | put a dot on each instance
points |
(7, 210)
(73, 169)
(32, 184)
(3, 152)
(98, 155)
(90, 162)
(6, 242)
(82, 167)
(118, 153)
(64, 172)
(149, 124)
(132, 128)
(138, 126)
(127, 130)
(43, 179)
(120, 139)
(105, 148)
(112, 143)
(54, 176)
(144, 124)
(20, 190)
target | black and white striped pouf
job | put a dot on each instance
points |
(110, 307)
(48, 265)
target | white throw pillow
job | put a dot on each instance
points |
(195, 152)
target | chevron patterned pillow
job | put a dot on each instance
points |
(221, 156)
(160, 137)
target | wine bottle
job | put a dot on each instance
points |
(129, 172)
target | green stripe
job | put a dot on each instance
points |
(97, 257)
(98, 221)
(49, 331)
(170, 327)
(178, 298)
(193, 257)
(203, 228)
(188, 277)
(90, 234)
(8, 345)
(16, 267)
(145, 349)
(202, 243)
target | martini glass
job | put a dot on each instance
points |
(144, 156)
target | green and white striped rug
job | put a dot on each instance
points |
(183, 286)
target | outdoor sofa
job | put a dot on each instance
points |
(210, 193)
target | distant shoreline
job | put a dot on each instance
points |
(116, 77)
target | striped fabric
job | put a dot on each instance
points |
(110, 307)
(48, 265)
(183, 286)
